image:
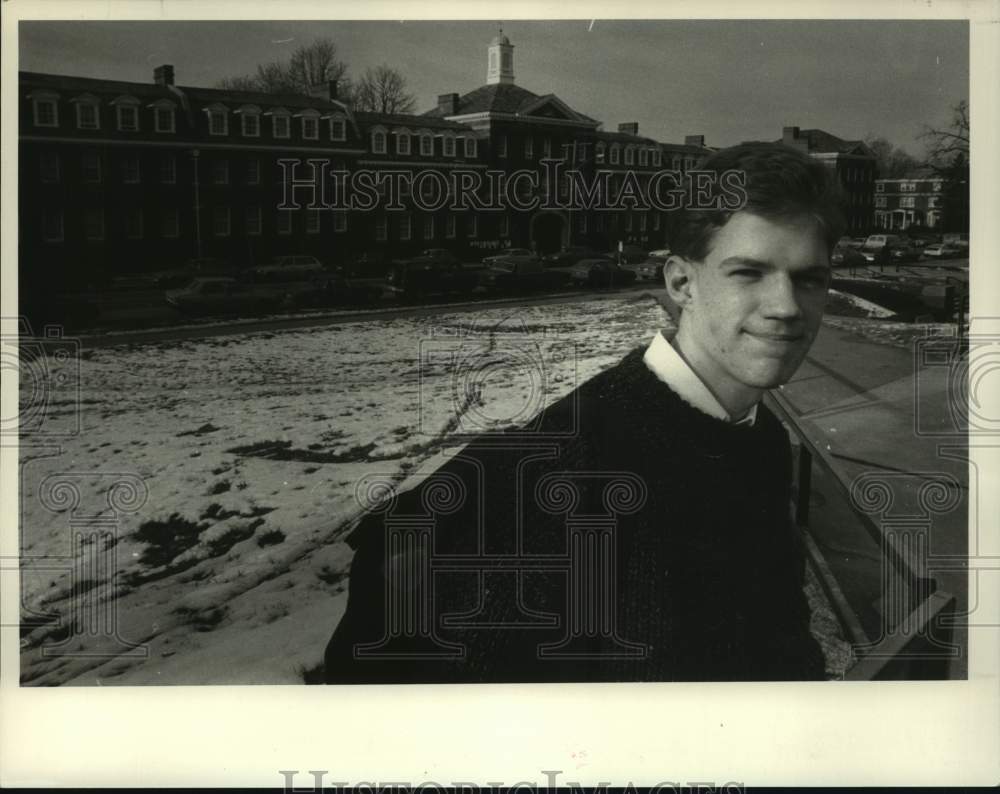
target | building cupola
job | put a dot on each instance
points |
(501, 61)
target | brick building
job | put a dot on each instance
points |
(123, 177)
(916, 200)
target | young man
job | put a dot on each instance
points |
(641, 530)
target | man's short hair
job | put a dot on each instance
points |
(780, 183)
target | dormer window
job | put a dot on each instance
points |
(471, 147)
(402, 141)
(338, 128)
(249, 121)
(657, 158)
(426, 144)
(87, 115)
(163, 116)
(615, 154)
(45, 108)
(378, 140)
(599, 152)
(448, 144)
(127, 113)
(310, 125)
(281, 123)
(629, 155)
(218, 119)
(644, 157)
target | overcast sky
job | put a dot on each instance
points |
(729, 81)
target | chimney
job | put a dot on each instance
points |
(326, 89)
(448, 104)
(163, 75)
(789, 135)
(694, 140)
(629, 127)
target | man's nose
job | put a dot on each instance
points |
(781, 301)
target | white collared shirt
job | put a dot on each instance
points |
(670, 367)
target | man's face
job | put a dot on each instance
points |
(752, 308)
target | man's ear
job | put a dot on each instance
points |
(677, 276)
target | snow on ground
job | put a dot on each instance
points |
(233, 568)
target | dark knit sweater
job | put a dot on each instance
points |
(707, 571)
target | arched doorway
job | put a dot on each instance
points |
(548, 232)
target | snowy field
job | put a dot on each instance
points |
(244, 460)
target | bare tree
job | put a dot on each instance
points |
(308, 65)
(892, 161)
(383, 90)
(944, 144)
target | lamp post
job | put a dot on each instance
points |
(197, 205)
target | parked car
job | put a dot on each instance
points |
(572, 254)
(520, 274)
(629, 255)
(944, 251)
(660, 253)
(904, 253)
(846, 255)
(416, 277)
(600, 273)
(876, 242)
(959, 239)
(221, 295)
(521, 253)
(650, 269)
(192, 268)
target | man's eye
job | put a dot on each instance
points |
(746, 272)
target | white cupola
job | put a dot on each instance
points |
(501, 61)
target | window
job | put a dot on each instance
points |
(253, 172)
(427, 145)
(504, 225)
(340, 221)
(220, 172)
(46, 110)
(91, 167)
(615, 154)
(906, 201)
(52, 226)
(449, 227)
(87, 117)
(656, 221)
(529, 148)
(471, 147)
(218, 120)
(281, 125)
(472, 226)
(338, 129)
(675, 164)
(547, 147)
(381, 230)
(250, 124)
(133, 223)
(599, 152)
(657, 158)
(448, 146)
(312, 222)
(284, 222)
(48, 165)
(628, 222)
(168, 169)
(310, 128)
(130, 170)
(405, 227)
(163, 119)
(220, 221)
(170, 226)
(880, 201)
(128, 117)
(629, 155)
(428, 227)
(880, 187)
(403, 142)
(502, 146)
(93, 223)
(644, 157)
(643, 221)
(378, 142)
